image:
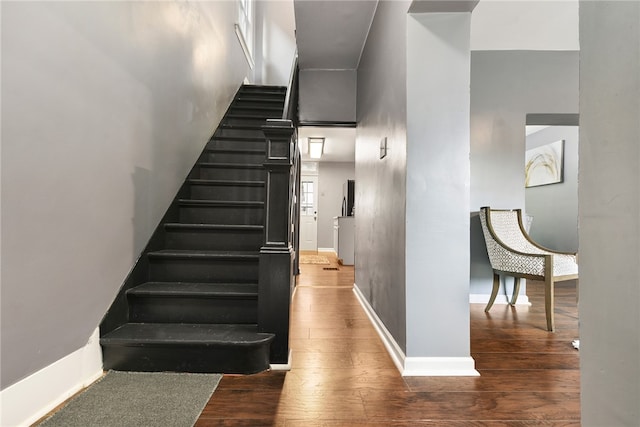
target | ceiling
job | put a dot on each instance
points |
(339, 143)
(330, 35)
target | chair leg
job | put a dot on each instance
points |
(494, 291)
(516, 290)
(548, 302)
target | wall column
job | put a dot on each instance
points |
(437, 207)
(609, 207)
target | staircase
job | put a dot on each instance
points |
(191, 303)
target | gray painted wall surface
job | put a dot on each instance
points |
(331, 176)
(555, 207)
(381, 183)
(437, 205)
(505, 86)
(609, 196)
(105, 107)
(328, 95)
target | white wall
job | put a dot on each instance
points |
(555, 207)
(525, 25)
(275, 41)
(331, 176)
(105, 107)
(609, 213)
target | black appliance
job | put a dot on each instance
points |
(348, 197)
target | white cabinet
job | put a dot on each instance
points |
(344, 238)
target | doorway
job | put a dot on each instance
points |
(309, 213)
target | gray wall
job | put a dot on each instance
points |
(555, 207)
(505, 87)
(328, 95)
(609, 196)
(331, 176)
(381, 184)
(105, 107)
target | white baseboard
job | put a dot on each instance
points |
(282, 366)
(30, 399)
(394, 350)
(327, 250)
(500, 299)
(416, 366)
(439, 367)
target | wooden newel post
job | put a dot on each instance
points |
(276, 255)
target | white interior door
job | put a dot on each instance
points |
(309, 213)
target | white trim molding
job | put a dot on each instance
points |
(282, 366)
(328, 250)
(244, 46)
(396, 353)
(416, 366)
(30, 399)
(439, 367)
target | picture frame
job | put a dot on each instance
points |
(544, 165)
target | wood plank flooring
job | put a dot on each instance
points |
(342, 375)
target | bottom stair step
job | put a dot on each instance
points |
(200, 348)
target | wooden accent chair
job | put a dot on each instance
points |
(513, 253)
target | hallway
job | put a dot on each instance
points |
(342, 375)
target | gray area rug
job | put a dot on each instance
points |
(143, 399)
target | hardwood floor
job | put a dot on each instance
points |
(342, 375)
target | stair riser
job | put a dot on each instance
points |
(240, 133)
(231, 174)
(237, 144)
(245, 121)
(221, 215)
(159, 309)
(228, 192)
(196, 359)
(202, 270)
(213, 157)
(262, 112)
(214, 240)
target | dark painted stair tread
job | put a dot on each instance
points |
(180, 334)
(220, 203)
(231, 165)
(270, 108)
(240, 126)
(236, 150)
(222, 182)
(209, 227)
(237, 138)
(194, 254)
(249, 97)
(201, 290)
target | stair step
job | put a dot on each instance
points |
(210, 255)
(198, 348)
(182, 265)
(230, 171)
(214, 237)
(220, 212)
(211, 189)
(179, 302)
(234, 156)
(254, 98)
(189, 289)
(232, 141)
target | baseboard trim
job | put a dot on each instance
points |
(394, 350)
(327, 250)
(282, 366)
(500, 299)
(439, 367)
(30, 399)
(416, 366)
